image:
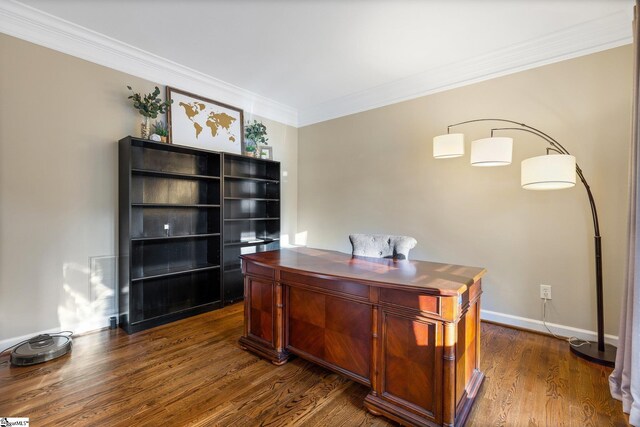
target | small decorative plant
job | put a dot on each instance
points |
(160, 128)
(256, 132)
(250, 146)
(149, 106)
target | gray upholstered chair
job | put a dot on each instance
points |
(382, 245)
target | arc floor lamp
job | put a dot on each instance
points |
(548, 172)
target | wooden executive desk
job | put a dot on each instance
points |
(410, 330)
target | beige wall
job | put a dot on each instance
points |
(60, 118)
(373, 172)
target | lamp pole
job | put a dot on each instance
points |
(598, 352)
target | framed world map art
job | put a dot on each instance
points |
(204, 123)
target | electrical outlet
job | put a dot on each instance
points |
(545, 292)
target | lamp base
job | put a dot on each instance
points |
(590, 352)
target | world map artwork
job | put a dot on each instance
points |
(203, 123)
(197, 111)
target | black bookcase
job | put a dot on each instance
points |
(251, 215)
(170, 233)
(186, 216)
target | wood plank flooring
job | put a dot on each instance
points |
(193, 373)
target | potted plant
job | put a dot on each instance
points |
(254, 134)
(161, 129)
(149, 106)
(250, 148)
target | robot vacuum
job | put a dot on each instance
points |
(41, 348)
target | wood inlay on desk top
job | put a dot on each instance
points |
(431, 277)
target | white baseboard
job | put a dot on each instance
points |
(538, 326)
(80, 328)
(492, 316)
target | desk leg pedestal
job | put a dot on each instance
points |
(425, 369)
(464, 407)
(263, 320)
(381, 407)
(276, 357)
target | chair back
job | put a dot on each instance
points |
(382, 245)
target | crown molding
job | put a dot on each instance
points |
(33, 25)
(589, 37)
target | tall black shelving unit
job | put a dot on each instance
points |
(186, 215)
(170, 233)
(251, 215)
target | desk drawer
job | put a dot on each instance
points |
(414, 300)
(258, 270)
(338, 285)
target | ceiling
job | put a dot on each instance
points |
(330, 58)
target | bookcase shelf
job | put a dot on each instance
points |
(186, 215)
(172, 205)
(173, 271)
(186, 236)
(252, 219)
(251, 242)
(250, 178)
(252, 198)
(172, 174)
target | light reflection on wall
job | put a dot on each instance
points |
(301, 238)
(88, 296)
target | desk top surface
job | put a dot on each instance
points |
(437, 278)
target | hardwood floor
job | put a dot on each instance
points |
(192, 372)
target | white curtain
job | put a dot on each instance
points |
(625, 378)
